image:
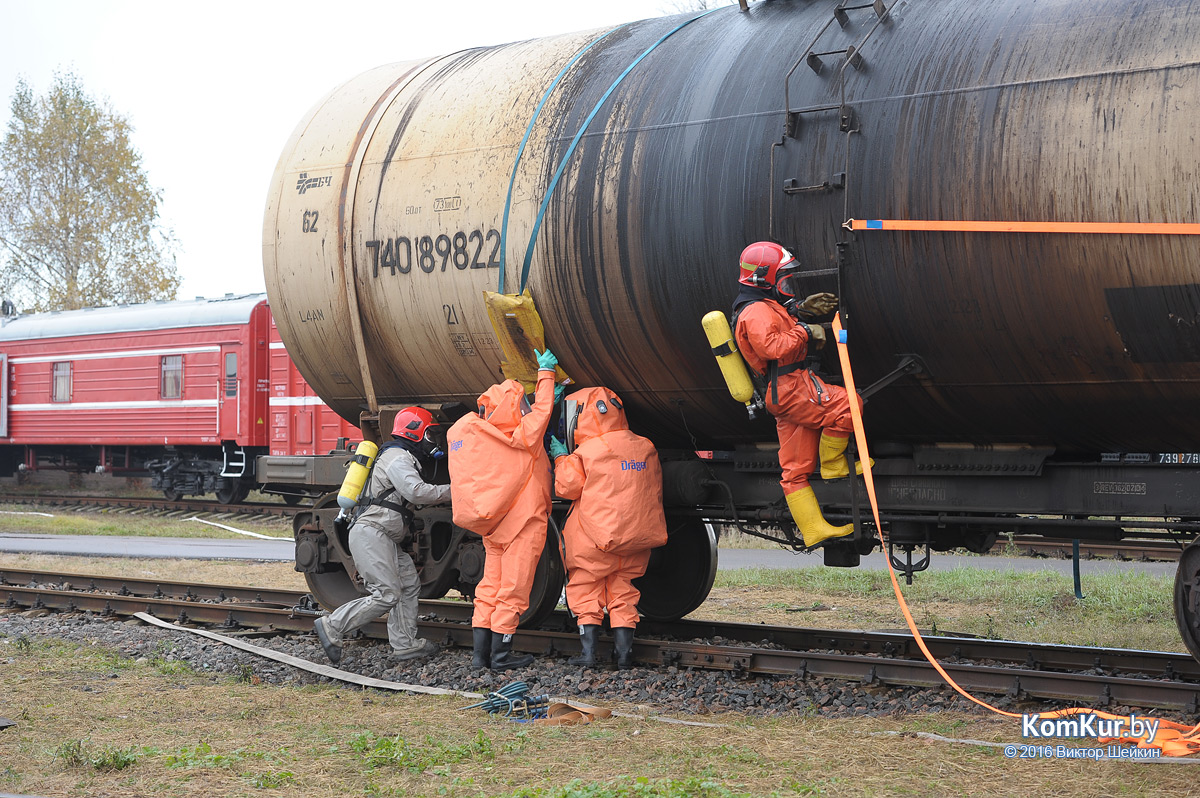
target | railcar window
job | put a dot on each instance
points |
(172, 377)
(231, 373)
(60, 382)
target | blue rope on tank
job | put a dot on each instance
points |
(521, 150)
(537, 224)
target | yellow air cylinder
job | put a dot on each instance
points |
(356, 474)
(733, 368)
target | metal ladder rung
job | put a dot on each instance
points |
(843, 18)
(852, 55)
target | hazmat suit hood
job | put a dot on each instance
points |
(602, 412)
(502, 405)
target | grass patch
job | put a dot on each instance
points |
(1126, 609)
(643, 787)
(120, 522)
(192, 735)
(201, 755)
(108, 758)
(419, 757)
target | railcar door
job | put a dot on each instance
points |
(229, 417)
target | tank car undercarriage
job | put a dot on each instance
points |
(932, 498)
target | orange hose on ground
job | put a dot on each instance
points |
(1173, 739)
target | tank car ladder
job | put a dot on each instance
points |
(824, 63)
(815, 60)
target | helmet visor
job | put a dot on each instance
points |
(433, 439)
(788, 284)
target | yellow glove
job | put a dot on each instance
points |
(816, 336)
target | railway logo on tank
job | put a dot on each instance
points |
(633, 465)
(305, 182)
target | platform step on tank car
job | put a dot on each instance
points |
(1041, 381)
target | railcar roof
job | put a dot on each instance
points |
(131, 318)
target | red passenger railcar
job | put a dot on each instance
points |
(188, 392)
(300, 423)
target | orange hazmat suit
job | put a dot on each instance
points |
(806, 403)
(615, 479)
(500, 488)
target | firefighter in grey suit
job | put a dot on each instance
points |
(377, 535)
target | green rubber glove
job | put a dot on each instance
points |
(557, 448)
(545, 359)
(818, 305)
(816, 335)
(559, 390)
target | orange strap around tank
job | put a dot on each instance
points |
(937, 225)
(1174, 739)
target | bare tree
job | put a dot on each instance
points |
(79, 220)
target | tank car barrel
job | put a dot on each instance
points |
(628, 167)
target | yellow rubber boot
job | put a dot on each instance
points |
(833, 458)
(807, 514)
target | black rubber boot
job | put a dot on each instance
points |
(483, 647)
(623, 643)
(332, 650)
(588, 635)
(502, 656)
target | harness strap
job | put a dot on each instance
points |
(775, 371)
(381, 500)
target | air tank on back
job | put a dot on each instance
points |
(618, 173)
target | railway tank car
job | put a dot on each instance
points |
(1041, 380)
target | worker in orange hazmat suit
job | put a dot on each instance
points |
(500, 488)
(774, 333)
(615, 479)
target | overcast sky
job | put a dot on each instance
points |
(214, 89)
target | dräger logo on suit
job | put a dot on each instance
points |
(633, 465)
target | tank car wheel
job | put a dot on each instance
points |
(292, 499)
(172, 495)
(332, 588)
(1187, 597)
(681, 573)
(548, 580)
(438, 574)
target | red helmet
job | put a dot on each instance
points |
(767, 265)
(412, 423)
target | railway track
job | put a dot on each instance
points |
(159, 506)
(1092, 676)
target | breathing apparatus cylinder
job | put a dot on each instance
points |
(356, 476)
(733, 367)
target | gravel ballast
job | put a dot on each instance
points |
(669, 690)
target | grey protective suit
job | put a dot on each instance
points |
(386, 569)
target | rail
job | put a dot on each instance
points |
(1099, 676)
